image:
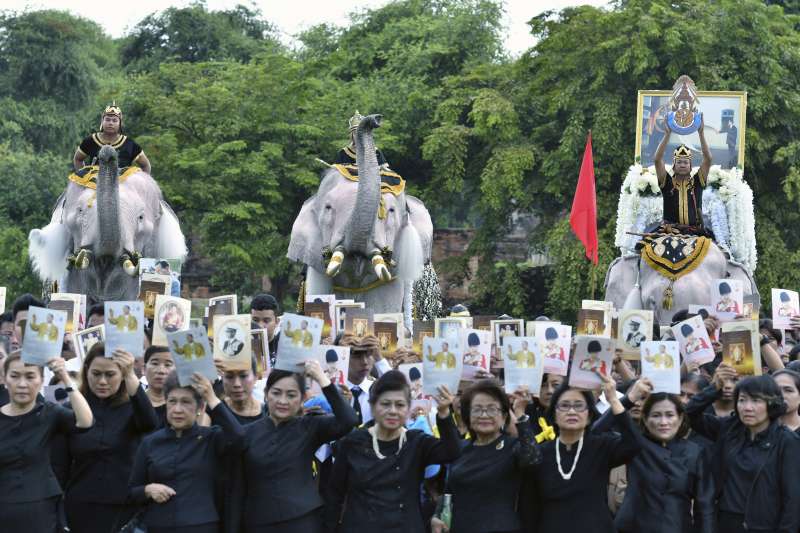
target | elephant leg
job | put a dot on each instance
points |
(317, 282)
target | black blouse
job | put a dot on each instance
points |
(581, 503)
(485, 482)
(383, 495)
(25, 441)
(127, 149)
(101, 458)
(188, 464)
(278, 477)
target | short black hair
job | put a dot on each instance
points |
(393, 380)
(591, 402)
(763, 388)
(766, 323)
(264, 302)
(172, 383)
(490, 387)
(163, 264)
(794, 353)
(680, 316)
(153, 348)
(695, 379)
(8, 316)
(23, 303)
(277, 375)
(96, 309)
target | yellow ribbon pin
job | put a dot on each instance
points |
(548, 433)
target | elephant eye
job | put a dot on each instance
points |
(391, 209)
(327, 206)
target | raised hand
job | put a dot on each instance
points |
(314, 371)
(203, 386)
(723, 373)
(444, 399)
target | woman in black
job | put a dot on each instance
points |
(754, 459)
(29, 491)
(238, 387)
(670, 485)
(280, 493)
(571, 480)
(176, 467)
(484, 482)
(378, 470)
(158, 364)
(110, 134)
(100, 459)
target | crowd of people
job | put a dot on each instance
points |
(259, 453)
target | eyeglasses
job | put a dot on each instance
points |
(485, 411)
(565, 407)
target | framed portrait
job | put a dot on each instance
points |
(44, 335)
(341, 308)
(84, 340)
(232, 345)
(259, 345)
(724, 116)
(221, 305)
(502, 329)
(422, 329)
(449, 327)
(745, 359)
(171, 315)
(635, 328)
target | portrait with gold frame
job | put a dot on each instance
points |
(724, 121)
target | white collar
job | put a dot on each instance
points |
(364, 385)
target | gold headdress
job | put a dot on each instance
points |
(113, 109)
(355, 120)
(681, 152)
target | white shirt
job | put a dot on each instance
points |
(382, 366)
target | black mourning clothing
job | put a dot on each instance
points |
(382, 495)
(26, 476)
(485, 482)
(277, 463)
(188, 464)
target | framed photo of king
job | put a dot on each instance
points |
(724, 118)
(635, 328)
(231, 344)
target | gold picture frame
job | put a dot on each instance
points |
(719, 107)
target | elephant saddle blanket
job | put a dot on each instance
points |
(390, 181)
(673, 255)
(87, 176)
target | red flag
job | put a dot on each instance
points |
(583, 217)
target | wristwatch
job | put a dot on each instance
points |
(523, 419)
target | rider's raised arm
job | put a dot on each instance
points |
(705, 166)
(658, 158)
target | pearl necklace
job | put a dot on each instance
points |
(568, 475)
(374, 432)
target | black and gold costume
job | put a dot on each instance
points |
(127, 149)
(683, 199)
(347, 156)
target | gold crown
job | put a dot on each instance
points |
(682, 151)
(355, 120)
(113, 109)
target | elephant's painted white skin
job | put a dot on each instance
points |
(145, 225)
(327, 218)
(693, 288)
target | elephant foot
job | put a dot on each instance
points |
(381, 271)
(335, 264)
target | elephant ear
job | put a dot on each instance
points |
(48, 247)
(420, 218)
(305, 244)
(170, 242)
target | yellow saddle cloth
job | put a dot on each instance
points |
(390, 182)
(87, 176)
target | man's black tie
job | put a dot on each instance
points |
(356, 404)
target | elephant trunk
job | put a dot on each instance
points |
(108, 204)
(358, 232)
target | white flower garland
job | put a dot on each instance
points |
(727, 209)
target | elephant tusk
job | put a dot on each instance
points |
(129, 267)
(381, 271)
(335, 263)
(83, 259)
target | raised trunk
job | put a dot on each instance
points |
(358, 233)
(108, 204)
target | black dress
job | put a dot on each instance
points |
(100, 463)
(188, 464)
(757, 479)
(29, 491)
(670, 490)
(383, 495)
(127, 149)
(485, 483)
(581, 503)
(280, 493)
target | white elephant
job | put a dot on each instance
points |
(632, 284)
(360, 239)
(94, 239)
